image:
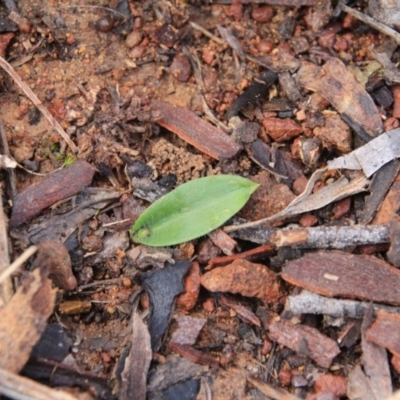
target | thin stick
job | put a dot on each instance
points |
(207, 33)
(35, 100)
(268, 390)
(373, 23)
(110, 10)
(6, 151)
(6, 290)
(17, 263)
(18, 387)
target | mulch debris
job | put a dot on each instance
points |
(106, 108)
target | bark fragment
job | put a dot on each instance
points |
(339, 274)
(194, 130)
(55, 187)
(304, 340)
(24, 318)
(338, 85)
(385, 332)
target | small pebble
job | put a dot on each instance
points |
(181, 68)
(104, 24)
(262, 14)
(133, 39)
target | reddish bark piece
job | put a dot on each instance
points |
(56, 257)
(137, 363)
(246, 278)
(395, 361)
(375, 361)
(334, 384)
(196, 356)
(339, 274)
(390, 205)
(339, 86)
(396, 105)
(304, 340)
(55, 187)
(223, 241)
(24, 318)
(188, 330)
(281, 129)
(5, 40)
(194, 130)
(244, 311)
(188, 299)
(385, 332)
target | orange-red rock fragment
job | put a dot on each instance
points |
(281, 129)
(334, 384)
(246, 278)
(187, 300)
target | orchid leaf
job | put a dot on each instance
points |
(193, 209)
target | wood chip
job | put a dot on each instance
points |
(55, 187)
(338, 85)
(24, 318)
(380, 184)
(385, 332)
(339, 274)
(375, 361)
(195, 131)
(305, 341)
(241, 309)
(358, 386)
(390, 204)
(134, 375)
(223, 241)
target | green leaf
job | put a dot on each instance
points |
(192, 210)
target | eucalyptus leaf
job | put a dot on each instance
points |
(192, 210)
